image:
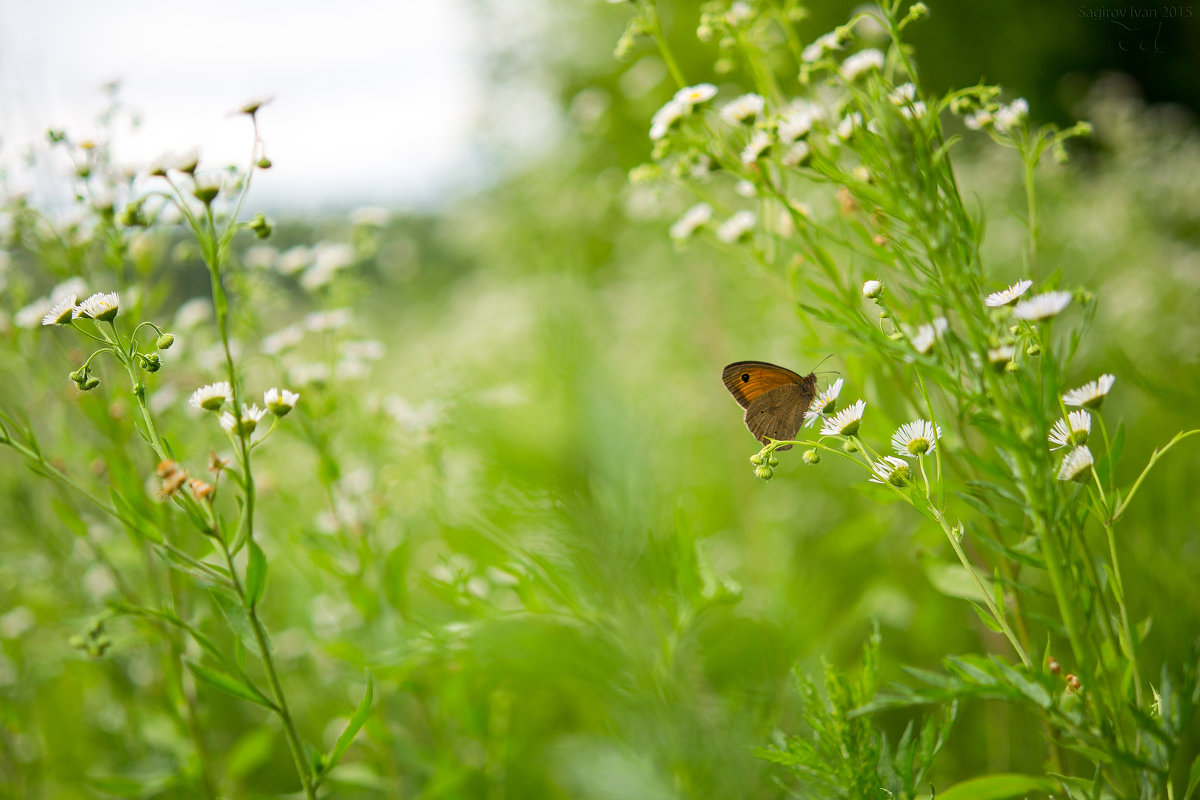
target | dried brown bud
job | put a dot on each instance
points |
(1052, 665)
(202, 489)
(1073, 683)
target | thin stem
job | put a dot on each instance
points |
(281, 706)
(660, 40)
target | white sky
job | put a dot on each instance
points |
(372, 101)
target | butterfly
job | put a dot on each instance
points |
(775, 398)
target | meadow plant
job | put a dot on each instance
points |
(826, 164)
(204, 578)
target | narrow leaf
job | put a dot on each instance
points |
(229, 684)
(357, 720)
(256, 575)
(998, 787)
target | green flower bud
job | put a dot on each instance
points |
(78, 377)
(263, 163)
(152, 362)
(764, 472)
(164, 341)
(89, 384)
(1011, 366)
(812, 457)
(1034, 349)
(757, 459)
(850, 446)
(772, 461)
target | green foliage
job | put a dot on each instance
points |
(514, 495)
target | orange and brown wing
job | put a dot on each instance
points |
(779, 413)
(749, 380)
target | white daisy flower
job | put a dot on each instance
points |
(891, 470)
(666, 117)
(745, 188)
(828, 42)
(1076, 464)
(1072, 431)
(693, 218)
(737, 227)
(872, 289)
(211, 397)
(796, 155)
(695, 95)
(1009, 295)
(860, 63)
(61, 312)
(207, 185)
(979, 120)
(32, 314)
(743, 110)
(847, 126)
(926, 335)
(904, 94)
(796, 123)
(1091, 394)
(1042, 306)
(823, 403)
(1000, 356)
(280, 401)
(102, 306)
(914, 110)
(1011, 115)
(250, 418)
(759, 143)
(846, 421)
(916, 438)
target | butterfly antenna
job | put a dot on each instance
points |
(822, 361)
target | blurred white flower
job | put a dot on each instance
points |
(193, 312)
(245, 425)
(824, 44)
(743, 109)
(904, 94)
(692, 219)
(370, 217)
(759, 143)
(282, 339)
(293, 260)
(860, 63)
(1010, 116)
(1042, 306)
(926, 335)
(366, 349)
(695, 95)
(260, 256)
(737, 227)
(280, 401)
(796, 122)
(328, 320)
(796, 155)
(666, 117)
(978, 120)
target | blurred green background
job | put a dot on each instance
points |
(532, 516)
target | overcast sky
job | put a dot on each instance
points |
(372, 104)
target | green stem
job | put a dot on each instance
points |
(660, 40)
(281, 706)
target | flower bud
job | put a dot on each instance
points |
(164, 341)
(872, 289)
(89, 384)
(263, 163)
(207, 186)
(152, 362)
(850, 446)
(764, 472)
(757, 459)
(772, 461)
(812, 457)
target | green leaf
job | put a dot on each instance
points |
(955, 581)
(1193, 779)
(357, 720)
(986, 618)
(229, 684)
(256, 575)
(998, 787)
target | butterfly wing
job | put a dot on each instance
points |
(779, 413)
(747, 381)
